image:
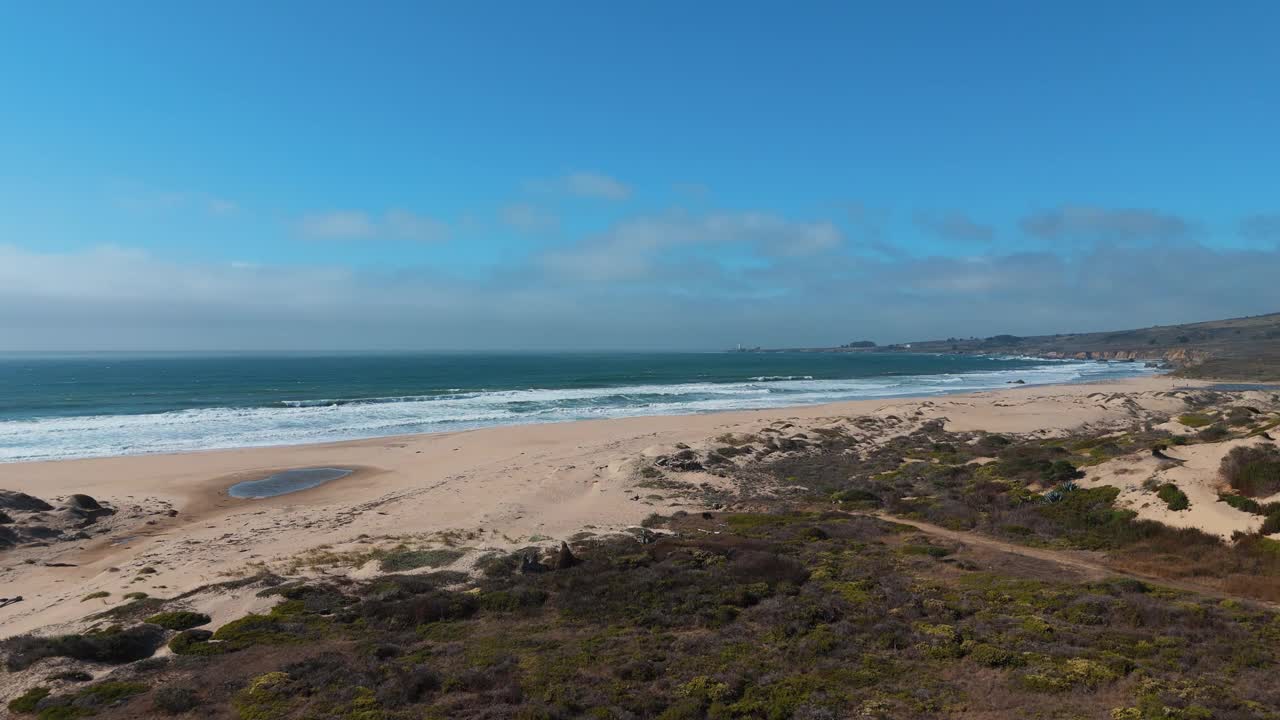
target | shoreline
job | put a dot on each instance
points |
(906, 396)
(497, 487)
(836, 407)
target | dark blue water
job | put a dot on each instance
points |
(54, 406)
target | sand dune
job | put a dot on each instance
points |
(1195, 473)
(493, 488)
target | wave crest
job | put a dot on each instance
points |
(324, 420)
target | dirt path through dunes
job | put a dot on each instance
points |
(1078, 560)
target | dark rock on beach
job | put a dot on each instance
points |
(530, 564)
(29, 520)
(565, 559)
(21, 502)
(43, 532)
(84, 502)
(86, 505)
(685, 460)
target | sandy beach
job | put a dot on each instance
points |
(177, 529)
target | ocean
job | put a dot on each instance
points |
(89, 405)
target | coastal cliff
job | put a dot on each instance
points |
(1181, 357)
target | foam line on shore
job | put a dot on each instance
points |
(314, 421)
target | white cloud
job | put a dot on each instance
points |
(694, 192)
(1262, 227)
(587, 184)
(671, 281)
(420, 228)
(631, 249)
(220, 206)
(583, 184)
(527, 217)
(954, 225)
(357, 225)
(148, 200)
(1098, 224)
(337, 225)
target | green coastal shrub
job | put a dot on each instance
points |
(1252, 471)
(1240, 415)
(1071, 674)
(932, 551)
(179, 620)
(114, 645)
(1173, 497)
(175, 699)
(401, 560)
(993, 656)
(105, 693)
(1271, 524)
(1214, 433)
(286, 623)
(1196, 420)
(82, 703)
(1241, 503)
(62, 712)
(1061, 471)
(26, 702)
(195, 642)
(513, 599)
(255, 629)
(266, 697)
(857, 498)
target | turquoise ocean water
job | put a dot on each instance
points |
(87, 405)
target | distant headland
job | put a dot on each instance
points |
(1245, 348)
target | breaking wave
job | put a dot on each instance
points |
(323, 420)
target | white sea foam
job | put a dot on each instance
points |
(308, 421)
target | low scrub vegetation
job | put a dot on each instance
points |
(1196, 420)
(87, 701)
(174, 700)
(1173, 497)
(797, 604)
(402, 560)
(802, 614)
(179, 620)
(1026, 491)
(1252, 471)
(113, 645)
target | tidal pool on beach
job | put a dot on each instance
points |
(285, 482)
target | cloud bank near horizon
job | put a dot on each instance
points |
(677, 279)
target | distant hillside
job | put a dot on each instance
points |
(1238, 349)
(1245, 348)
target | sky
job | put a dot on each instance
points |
(658, 175)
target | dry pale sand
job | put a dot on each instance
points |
(1195, 472)
(497, 488)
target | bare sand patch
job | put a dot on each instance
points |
(496, 488)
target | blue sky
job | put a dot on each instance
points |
(411, 175)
